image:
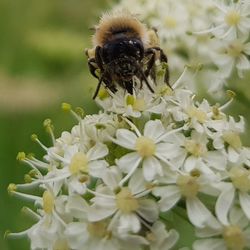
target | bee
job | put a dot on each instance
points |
(123, 48)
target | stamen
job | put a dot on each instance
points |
(34, 138)
(162, 137)
(178, 81)
(49, 129)
(100, 194)
(133, 127)
(31, 213)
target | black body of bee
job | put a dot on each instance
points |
(122, 55)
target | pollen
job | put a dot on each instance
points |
(233, 139)
(48, 202)
(12, 188)
(166, 91)
(195, 148)
(232, 18)
(188, 186)
(216, 113)
(21, 156)
(200, 115)
(61, 244)
(235, 48)
(137, 104)
(97, 229)
(240, 178)
(126, 202)
(170, 22)
(79, 163)
(234, 238)
(145, 146)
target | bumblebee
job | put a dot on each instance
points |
(123, 48)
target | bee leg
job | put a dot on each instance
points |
(93, 67)
(98, 87)
(129, 86)
(150, 70)
(144, 78)
(98, 58)
(163, 58)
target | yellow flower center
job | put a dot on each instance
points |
(48, 202)
(234, 238)
(200, 115)
(233, 139)
(79, 163)
(151, 236)
(125, 201)
(145, 146)
(170, 22)
(61, 244)
(240, 178)
(235, 48)
(216, 113)
(137, 104)
(195, 148)
(166, 91)
(232, 18)
(98, 229)
(188, 185)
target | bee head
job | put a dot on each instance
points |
(123, 48)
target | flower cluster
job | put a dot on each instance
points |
(115, 181)
(209, 35)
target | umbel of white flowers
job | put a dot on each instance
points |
(119, 178)
(214, 34)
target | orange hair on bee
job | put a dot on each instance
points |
(119, 22)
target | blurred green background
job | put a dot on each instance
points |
(42, 64)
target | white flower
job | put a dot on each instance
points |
(161, 239)
(175, 185)
(127, 205)
(230, 136)
(99, 127)
(239, 187)
(96, 236)
(126, 104)
(228, 55)
(148, 149)
(50, 227)
(171, 21)
(78, 166)
(189, 153)
(233, 235)
(232, 19)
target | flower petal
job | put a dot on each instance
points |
(190, 163)
(129, 222)
(224, 203)
(96, 213)
(154, 129)
(77, 206)
(199, 215)
(148, 210)
(97, 168)
(170, 195)
(98, 151)
(137, 183)
(211, 244)
(151, 167)
(245, 203)
(125, 138)
(128, 161)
